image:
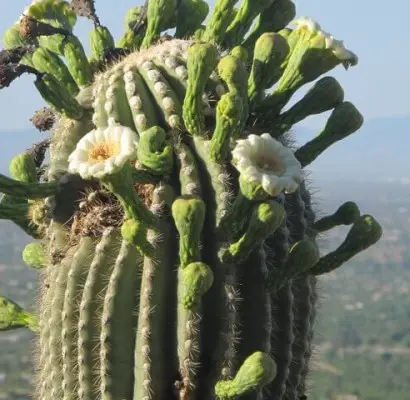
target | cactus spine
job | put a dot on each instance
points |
(175, 234)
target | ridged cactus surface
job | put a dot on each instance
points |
(173, 226)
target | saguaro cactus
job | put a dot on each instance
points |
(173, 228)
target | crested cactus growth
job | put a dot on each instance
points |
(174, 231)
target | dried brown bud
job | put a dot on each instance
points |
(10, 72)
(31, 28)
(43, 119)
(85, 8)
(13, 56)
(38, 151)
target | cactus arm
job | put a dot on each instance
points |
(154, 361)
(119, 323)
(76, 278)
(202, 59)
(16, 188)
(344, 120)
(90, 309)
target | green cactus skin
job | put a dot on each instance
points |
(167, 271)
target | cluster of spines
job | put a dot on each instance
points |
(169, 86)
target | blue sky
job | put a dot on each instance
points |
(375, 30)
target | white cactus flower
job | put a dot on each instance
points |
(103, 152)
(264, 160)
(347, 57)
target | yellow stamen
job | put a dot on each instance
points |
(103, 151)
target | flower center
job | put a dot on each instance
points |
(271, 164)
(103, 151)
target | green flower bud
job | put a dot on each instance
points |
(202, 59)
(160, 15)
(101, 40)
(23, 168)
(365, 232)
(271, 50)
(325, 95)
(46, 61)
(303, 255)
(55, 94)
(190, 15)
(197, 280)
(265, 219)
(155, 151)
(12, 316)
(241, 53)
(135, 232)
(34, 255)
(344, 120)
(257, 371)
(347, 214)
(189, 216)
